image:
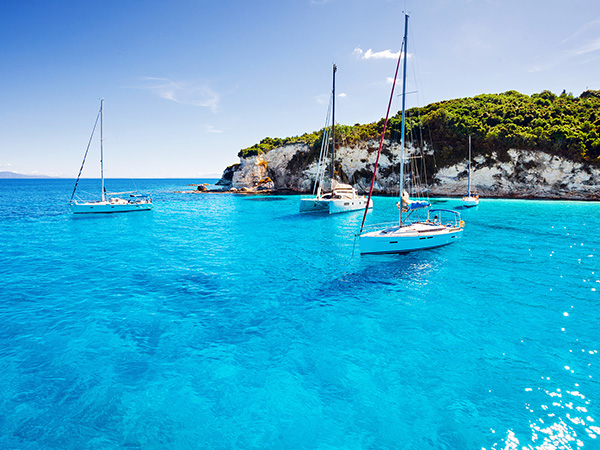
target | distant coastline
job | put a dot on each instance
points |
(10, 175)
(14, 175)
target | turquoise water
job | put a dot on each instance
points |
(219, 321)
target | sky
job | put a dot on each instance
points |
(188, 83)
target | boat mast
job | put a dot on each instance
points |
(385, 122)
(469, 179)
(333, 128)
(101, 147)
(403, 115)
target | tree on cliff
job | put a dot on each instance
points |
(563, 125)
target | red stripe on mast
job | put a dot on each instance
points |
(381, 140)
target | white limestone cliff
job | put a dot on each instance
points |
(526, 174)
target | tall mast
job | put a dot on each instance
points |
(101, 146)
(469, 179)
(403, 115)
(333, 128)
(387, 115)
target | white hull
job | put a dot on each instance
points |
(470, 201)
(107, 204)
(344, 198)
(417, 236)
(314, 204)
(109, 207)
(333, 206)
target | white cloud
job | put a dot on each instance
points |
(343, 95)
(322, 99)
(211, 129)
(370, 54)
(183, 92)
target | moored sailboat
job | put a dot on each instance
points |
(341, 197)
(108, 203)
(470, 199)
(440, 227)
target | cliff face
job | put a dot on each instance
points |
(526, 174)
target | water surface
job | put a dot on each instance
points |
(226, 321)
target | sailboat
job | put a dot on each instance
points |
(439, 227)
(470, 199)
(342, 197)
(108, 203)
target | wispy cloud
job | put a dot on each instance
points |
(184, 92)
(588, 47)
(323, 99)
(588, 27)
(580, 47)
(211, 129)
(370, 54)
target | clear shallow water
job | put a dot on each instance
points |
(222, 321)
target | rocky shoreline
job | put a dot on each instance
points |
(516, 174)
(516, 196)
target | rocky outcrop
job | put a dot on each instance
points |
(523, 174)
(250, 175)
(527, 174)
(227, 175)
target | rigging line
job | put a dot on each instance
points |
(387, 114)
(85, 156)
(319, 176)
(324, 146)
(406, 93)
(416, 70)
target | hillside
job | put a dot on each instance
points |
(562, 125)
(538, 146)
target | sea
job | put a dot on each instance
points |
(227, 321)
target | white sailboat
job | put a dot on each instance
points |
(108, 203)
(440, 226)
(342, 197)
(470, 199)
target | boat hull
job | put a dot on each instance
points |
(107, 207)
(408, 239)
(337, 206)
(314, 205)
(334, 206)
(470, 201)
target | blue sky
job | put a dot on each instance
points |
(187, 83)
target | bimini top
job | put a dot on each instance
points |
(411, 205)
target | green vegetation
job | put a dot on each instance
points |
(268, 144)
(559, 124)
(562, 125)
(345, 134)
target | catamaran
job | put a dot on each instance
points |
(108, 203)
(341, 197)
(439, 227)
(470, 199)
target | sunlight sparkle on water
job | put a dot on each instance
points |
(229, 322)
